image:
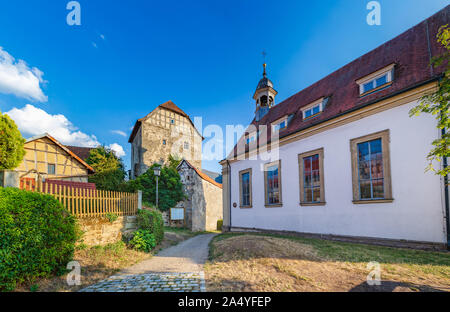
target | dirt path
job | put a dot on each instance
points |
(178, 268)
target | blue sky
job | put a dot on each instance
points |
(127, 57)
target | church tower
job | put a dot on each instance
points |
(264, 96)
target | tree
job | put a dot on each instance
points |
(11, 143)
(170, 188)
(109, 169)
(174, 161)
(437, 104)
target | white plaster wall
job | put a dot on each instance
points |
(416, 213)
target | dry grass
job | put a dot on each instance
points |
(276, 263)
(97, 263)
(100, 262)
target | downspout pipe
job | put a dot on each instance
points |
(447, 204)
(229, 188)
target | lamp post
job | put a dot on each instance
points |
(157, 171)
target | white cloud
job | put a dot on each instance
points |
(35, 121)
(102, 36)
(19, 79)
(94, 45)
(119, 132)
(117, 149)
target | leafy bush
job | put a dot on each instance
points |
(11, 143)
(219, 225)
(143, 240)
(111, 217)
(37, 237)
(152, 221)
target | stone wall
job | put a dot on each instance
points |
(168, 222)
(213, 201)
(99, 231)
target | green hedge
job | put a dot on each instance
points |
(152, 221)
(37, 237)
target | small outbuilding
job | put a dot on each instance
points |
(203, 205)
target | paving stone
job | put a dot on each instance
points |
(152, 282)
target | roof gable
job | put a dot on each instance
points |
(169, 105)
(202, 175)
(66, 149)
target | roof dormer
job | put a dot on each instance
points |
(376, 81)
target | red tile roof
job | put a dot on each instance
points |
(410, 51)
(82, 152)
(202, 175)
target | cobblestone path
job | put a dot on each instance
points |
(153, 282)
(175, 269)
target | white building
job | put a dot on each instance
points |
(342, 158)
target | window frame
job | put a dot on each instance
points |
(241, 193)
(187, 146)
(251, 138)
(387, 179)
(277, 123)
(266, 194)
(387, 71)
(48, 169)
(310, 107)
(301, 168)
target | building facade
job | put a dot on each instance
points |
(343, 157)
(167, 130)
(48, 159)
(203, 204)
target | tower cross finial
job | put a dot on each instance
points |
(264, 54)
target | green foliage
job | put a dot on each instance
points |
(437, 104)
(11, 143)
(219, 225)
(111, 217)
(170, 188)
(109, 169)
(152, 221)
(174, 161)
(143, 240)
(37, 237)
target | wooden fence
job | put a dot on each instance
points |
(86, 203)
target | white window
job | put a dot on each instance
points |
(280, 124)
(186, 145)
(51, 169)
(376, 81)
(251, 138)
(314, 108)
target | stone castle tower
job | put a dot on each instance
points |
(167, 130)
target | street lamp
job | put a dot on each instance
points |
(157, 171)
